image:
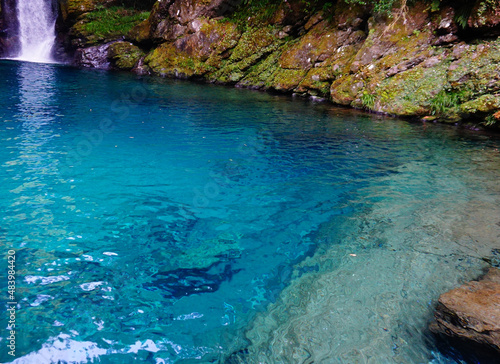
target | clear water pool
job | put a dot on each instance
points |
(166, 222)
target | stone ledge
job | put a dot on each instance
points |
(471, 311)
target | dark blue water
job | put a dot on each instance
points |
(152, 220)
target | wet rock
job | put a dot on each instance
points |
(141, 68)
(431, 62)
(471, 311)
(404, 66)
(93, 57)
(315, 19)
(8, 28)
(447, 24)
(403, 63)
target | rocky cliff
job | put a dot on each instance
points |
(432, 60)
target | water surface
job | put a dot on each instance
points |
(164, 221)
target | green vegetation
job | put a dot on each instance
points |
(379, 6)
(114, 21)
(261, 11)
(368, 100)
(493, 119)
(444, 102)
(136, 4)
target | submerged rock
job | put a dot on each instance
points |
(471, 311)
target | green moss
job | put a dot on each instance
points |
(124, 55)
(259, 11)
(112, 22)
(368, 100)
(254, 42)
(343, 91)
(166, 60)
(409, 93)
(492, 119)
(262, 73)
(483, 104)
(253, 47)
(286, 80)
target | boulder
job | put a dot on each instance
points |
(93, 57)
(471, 311)
(124, 55)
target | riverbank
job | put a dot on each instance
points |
(434, 61)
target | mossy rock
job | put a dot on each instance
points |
(166, 60)
(262, 74)
(104, 25)
(254, 43)
(124, 55)
(141, 33)
(223, 36)
(72, 9)
(318, 45)
(409, 93)
(317, 81)
(285, 80)
(253, 47)
(478, 69)
(212, 38)
(344, 90)
(483, 104)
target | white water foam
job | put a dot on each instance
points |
(37, 35)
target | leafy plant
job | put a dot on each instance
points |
(445, 101)
(368, 100)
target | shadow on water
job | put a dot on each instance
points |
(461, 351)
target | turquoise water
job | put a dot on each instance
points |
(161, 221)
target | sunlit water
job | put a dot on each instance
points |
(163, 221)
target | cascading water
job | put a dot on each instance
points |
(37, 35)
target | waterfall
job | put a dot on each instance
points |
(37, 34)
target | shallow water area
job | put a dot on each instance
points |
(164, 221)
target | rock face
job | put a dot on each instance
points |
(419, 62)
(8, 28)
(94, 57)
(472, 311)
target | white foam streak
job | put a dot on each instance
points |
(36, 30)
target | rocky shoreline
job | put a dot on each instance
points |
(418, 62)
(424, 62)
